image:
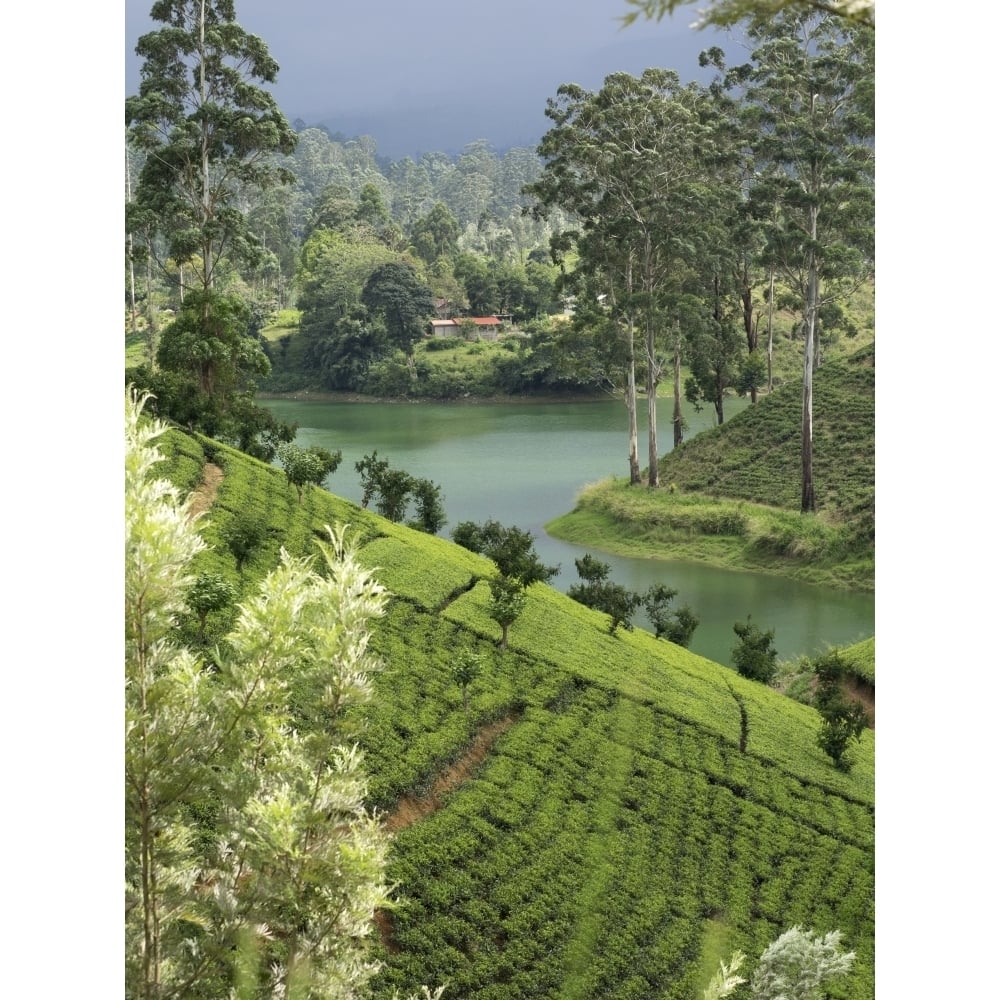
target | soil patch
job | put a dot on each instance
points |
(204, 496)
(414, 807)
(863, 692)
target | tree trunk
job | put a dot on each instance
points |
(678, 417)
(770, 335)
(652, 380)
(812, 301)
(150, 307)
(634, 472)
(130, 251)
(749, 326)
(652, 366)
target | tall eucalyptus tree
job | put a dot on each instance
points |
(809, 98)
(206, 129)
(207, 132)
(627, 163)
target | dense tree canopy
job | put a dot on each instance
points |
(395, 293)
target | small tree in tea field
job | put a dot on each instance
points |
(755, 656)
(465, 670)
(601, 594)
(305, 466)
(507, 602)
(844, 720)
(673, 624)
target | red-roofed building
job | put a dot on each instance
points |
(487, 327)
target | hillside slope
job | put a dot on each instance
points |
(757, 455)
(641, 813)
(731, 496)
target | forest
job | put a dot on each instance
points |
(363, 760)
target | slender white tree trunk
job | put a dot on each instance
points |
(635, 474)
(678, 416)
(770, 335)
(130, 248)
(812, 304)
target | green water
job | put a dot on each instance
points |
(523, 464)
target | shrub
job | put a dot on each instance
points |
(307, 466)
(755, 656)
(843, 720)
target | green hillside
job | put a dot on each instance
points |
(630, 812)
(731, 496)
(757, 455)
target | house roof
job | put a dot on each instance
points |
(478, 320)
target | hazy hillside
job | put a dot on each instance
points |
(630, 812)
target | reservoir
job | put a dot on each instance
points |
(522, 463)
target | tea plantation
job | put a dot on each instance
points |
(731, 496)
(644, 811)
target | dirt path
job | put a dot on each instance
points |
(412, 807)
(203, 497)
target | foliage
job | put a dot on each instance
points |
(244, 535)
(393, 489)
(798, 964)
(429, 503)
(208, 132)
(468, 666)
(754, 656)
(208, 368)
(507, 603)
(616, 812)
(305, 466)
(396, 294)
(511, 548)
(210, 593)
(673, 624)
(340, 339)
(844, 720)
(793, 967)
(248, 844)
(756, 455)
(859, 660)
(600, 593)
(726, 979)
(628, 162)
(752, 375)
(390, 488)
(726, 13)
(808, 94)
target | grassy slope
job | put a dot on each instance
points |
(860, 659)
(617, 841)
(732, 494)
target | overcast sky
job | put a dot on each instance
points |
(440, 73)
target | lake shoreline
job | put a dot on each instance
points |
(345, 396)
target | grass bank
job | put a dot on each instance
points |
(736, 534)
